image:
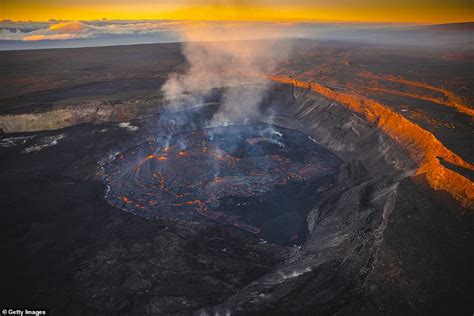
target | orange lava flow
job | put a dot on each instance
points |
(153, 157)
(126, 199)
(198, 202)
(454, 100)
(410, 136)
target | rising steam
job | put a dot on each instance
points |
(232, 55)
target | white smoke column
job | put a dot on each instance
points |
(228, 55)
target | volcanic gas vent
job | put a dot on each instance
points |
(259, 178)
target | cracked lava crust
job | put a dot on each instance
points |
(259, 178)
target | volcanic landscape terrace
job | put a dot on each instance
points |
(352, 176)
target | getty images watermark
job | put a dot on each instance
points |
(24, 311)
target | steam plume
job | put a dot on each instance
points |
(232, 55)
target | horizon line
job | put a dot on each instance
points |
(52, 20)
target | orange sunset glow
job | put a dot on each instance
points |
(420, 11)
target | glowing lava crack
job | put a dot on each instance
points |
(256, 177)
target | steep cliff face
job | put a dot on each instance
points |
(62, 117)
(422, 146)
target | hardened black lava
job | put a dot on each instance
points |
(259, 178)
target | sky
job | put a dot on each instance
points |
(418, 11)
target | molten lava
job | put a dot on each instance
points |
(254, 177)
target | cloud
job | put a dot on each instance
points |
(69, 27)
(78, 30)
